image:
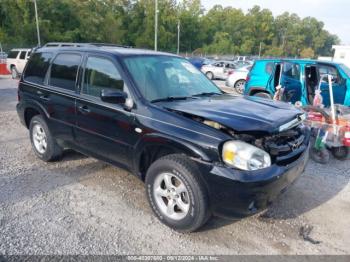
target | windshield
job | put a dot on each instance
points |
(162, 77)
(345, 69)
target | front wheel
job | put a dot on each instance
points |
(210, 75)
(239, 86)
(177, 194)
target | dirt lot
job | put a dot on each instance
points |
(83, 206)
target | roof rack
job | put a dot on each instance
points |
(67, 44)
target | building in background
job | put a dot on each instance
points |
(342, 54)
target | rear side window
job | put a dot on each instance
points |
(13, 54)
(291, 70)
(22, 55)
(100, 73)
(37, 67)
(64, 71)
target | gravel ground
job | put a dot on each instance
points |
(83, 206)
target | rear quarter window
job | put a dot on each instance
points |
(64, 71)
(37, 67)
(13, 54)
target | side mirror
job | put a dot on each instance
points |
(113, 96)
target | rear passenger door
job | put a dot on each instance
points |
(61, 95)
(103, 129)
(290, 80)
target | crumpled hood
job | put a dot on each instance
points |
(238, 113)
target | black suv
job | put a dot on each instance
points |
(199, 150)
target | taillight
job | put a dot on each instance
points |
(18, 96)
(230, 72)
(346, 139)
(247, 78)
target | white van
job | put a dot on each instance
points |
(16, 61)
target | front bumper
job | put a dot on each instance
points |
(235, 193)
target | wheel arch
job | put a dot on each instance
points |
(154, 146)
(32, 109)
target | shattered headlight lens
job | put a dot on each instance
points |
(245, 156)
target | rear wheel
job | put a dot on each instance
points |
(43, 144)
(210, 75)
(177, 194)
(239, 86)
(340, 153)
(263, 95)
(14, 72)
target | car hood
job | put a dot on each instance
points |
(242, 114)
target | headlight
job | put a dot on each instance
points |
(245, 156)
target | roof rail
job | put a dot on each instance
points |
(67, 44)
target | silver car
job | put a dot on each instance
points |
(218, 69)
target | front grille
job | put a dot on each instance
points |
(281, 145)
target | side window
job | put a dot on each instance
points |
(13, 54)
(329, 70)
(64, 71)
(269, 68)
(291, 70)
(22, 55)
(219, 64)
(100, 73)
(37, 67)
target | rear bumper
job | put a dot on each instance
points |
(235, 193)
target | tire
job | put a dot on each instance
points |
(340, 153)
(43, 144)
(14, 73)
(210, 75)
(239, 86)
(263, 95)
(182, 176)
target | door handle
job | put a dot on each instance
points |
(84, 109)
(45, 97)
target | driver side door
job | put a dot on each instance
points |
(103, 129)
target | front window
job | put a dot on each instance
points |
(162, 77)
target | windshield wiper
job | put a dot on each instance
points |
(208, 94)
(169, 98)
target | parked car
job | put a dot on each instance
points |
(199, 151)
(17, 60)
(237, 78)
(198, 62)
(218, 69)
(299, 78)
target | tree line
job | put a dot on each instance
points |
(129, 22)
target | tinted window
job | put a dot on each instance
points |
(291, 70)
(64, 71)
(37, 67)
(22, 55)
(100, 73)
(13, 54)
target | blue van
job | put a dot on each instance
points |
(300, 78)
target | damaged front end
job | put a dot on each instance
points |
(283, 147)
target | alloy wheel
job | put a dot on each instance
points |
(39, 138)
(171, 196)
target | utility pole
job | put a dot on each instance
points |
(37, 22)
(156, 11)
(260, 49)
(178, 37)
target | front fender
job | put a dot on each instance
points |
(166, 141)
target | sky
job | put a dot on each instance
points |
(335, 14)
